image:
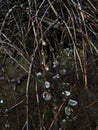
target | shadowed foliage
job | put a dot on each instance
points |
(48, 65)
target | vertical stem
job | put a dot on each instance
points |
(37, 98)
(83, 30)
(55, 107)
(27, 95)
(84, 60)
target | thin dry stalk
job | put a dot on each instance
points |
(56, 115)
(38, 103)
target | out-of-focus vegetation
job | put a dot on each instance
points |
(48, 65)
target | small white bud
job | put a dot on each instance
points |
(43, 43)
(39, 74)
(46, 68)
(1, 101)
(72, 102)
(67, 93)
(68, 111)
(47, 96)
(47, 84)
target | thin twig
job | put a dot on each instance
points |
(55, 117)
